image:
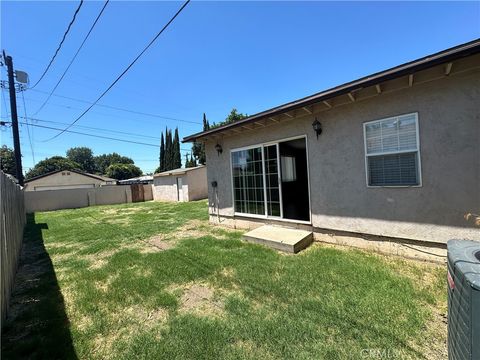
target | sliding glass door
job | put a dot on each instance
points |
(248, 180)
(271, 180)
(256, 186)
(272, 184)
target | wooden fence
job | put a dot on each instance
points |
(12, 223)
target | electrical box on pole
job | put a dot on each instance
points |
(21, 76)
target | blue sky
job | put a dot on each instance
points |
(215, 56)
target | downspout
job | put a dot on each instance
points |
(218, 205)
(216, 202)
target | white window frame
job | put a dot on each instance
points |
(269, 217)
(419, 161)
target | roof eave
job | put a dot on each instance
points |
(408, 68)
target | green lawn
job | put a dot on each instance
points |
(155, 280)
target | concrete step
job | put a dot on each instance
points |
(280, 238)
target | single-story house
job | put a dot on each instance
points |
(395, 154)
(185, 184)
(67, 179)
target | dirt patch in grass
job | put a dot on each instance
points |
(192, 229)
(228, 272)
(127, 322)
(157, 243)
(137, 314)
(105, 285)
(65, 245)
(83, 323)
(110, 211)
(197, 229)
(122, 211)
(434, 343)
(99, 260)
(199, 299)
(252, 350)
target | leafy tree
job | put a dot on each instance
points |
(123, 171)
(53, 163)
(102, 162)
(7, 161)
(232, 117)
(84, 157)
(198, 148)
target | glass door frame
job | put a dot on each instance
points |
(279, 177)
(262, 146)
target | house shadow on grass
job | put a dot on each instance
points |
(37, 326)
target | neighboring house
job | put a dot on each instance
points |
(145, 179)
(396, 153)
(67, 179)
(187, 184)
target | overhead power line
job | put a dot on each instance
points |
(91, 135)
(93, 128)
(73, 59)
(120, 109)
(77, 75)
(5, 103)
(61, 43)
(124, 71)
(28, 129)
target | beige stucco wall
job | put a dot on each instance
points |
(449, 130)
(70, 179)
(165, 187)
(76, 198)
(194, 185)
(197, 184)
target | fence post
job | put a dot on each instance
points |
(12, 219)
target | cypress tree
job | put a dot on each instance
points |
(177, 156)
(170, 153)
(162, 153)
(190, 162)
(167, 150)
(198, 149)
(206, 124)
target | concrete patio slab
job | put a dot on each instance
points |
(280, 238)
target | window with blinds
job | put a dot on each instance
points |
(392, 151)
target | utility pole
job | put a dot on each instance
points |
(13, 110)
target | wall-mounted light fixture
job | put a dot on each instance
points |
(219, 149)
(317, 127)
